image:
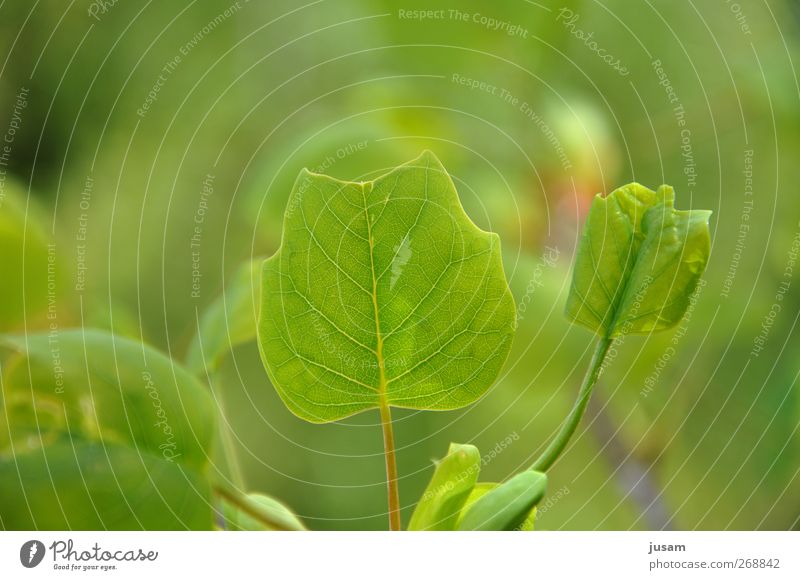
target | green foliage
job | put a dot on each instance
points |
(228, 321)
(23, 260)
(721, 446)
(78, 485)
(638, 262)
(450, 487)
(383, 292)
(102, 388)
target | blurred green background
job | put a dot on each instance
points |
(132, 124)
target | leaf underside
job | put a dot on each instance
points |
(638, 262)
(383, 292)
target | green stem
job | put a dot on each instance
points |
(391, 468)
(231, 457)
(558, 444)
(226, 437)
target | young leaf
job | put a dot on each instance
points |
(76, 485)
(383, 293)
(452, 482)
(507, 506)
(228, 322)
(106, 388)
(638, 262)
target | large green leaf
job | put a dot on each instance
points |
(450, 487)
(504, 507)
(75, 485)
(638, 262)
(106, 388)
(229, 321)
(383, 292)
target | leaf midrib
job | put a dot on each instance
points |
(623, 291)
(378, 335)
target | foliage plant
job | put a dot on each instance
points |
(382, 294)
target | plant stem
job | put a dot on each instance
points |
(231, 457)
(391, 467)
(558, 444)
(241, 501)
(226, 434)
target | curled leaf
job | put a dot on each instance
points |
(638, 262)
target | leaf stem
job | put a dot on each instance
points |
(228, 446)
(224, 429)
(391, 467)
(556, 447)
(251, 508)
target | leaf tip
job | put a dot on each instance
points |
(428, 160)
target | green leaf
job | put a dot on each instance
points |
(450, 487)
(638, 262)
(383, 293)
(75, 485)
(228, 321)
(275, 511)
(106, 388)
(23, 261)
(507, 506)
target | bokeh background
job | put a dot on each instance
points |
(131, 120)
